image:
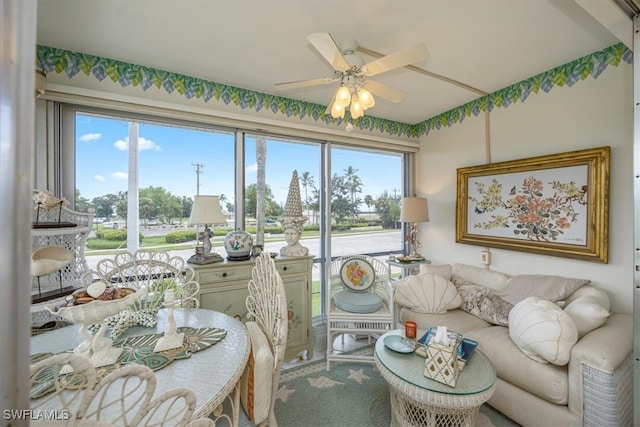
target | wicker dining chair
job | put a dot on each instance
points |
(267, 305)
(123, 397)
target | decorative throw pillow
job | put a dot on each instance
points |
(481, 276)
(599, 295)
(443, 270)
(587, 314)
(426, 293)
(482, 302)
(550, 288)
(257, 379)
(542, 331)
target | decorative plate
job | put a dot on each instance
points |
(357, 274)
(398, 344)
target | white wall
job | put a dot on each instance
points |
(592, 113)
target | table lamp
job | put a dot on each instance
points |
(414, 210)
(206, 211)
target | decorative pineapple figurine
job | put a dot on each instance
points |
(293, 220)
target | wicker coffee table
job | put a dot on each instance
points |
(419, 401)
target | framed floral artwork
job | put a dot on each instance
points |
(552, 205)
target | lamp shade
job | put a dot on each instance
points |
(414, 209)
(206, 210)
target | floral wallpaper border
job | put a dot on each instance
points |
(50, 59)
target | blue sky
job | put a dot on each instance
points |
(167, 158)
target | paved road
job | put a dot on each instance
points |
(351, 244)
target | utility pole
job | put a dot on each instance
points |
(198, 166)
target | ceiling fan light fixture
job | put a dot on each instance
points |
(343, 96)
(356, 109)
(365, 98)
(337, 111)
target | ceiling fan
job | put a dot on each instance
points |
(352, 73)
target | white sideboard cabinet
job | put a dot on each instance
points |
(223, 287)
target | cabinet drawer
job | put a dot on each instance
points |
(294, 266)
(223, 273)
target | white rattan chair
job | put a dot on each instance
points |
(341, 322)
(267, 304)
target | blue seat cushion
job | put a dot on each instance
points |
(357, 302)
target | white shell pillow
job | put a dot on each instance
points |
(542, 331)
(599, 295)
(587, 314)
(426, 293)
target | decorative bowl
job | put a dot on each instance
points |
(404, 259)
(97, 310)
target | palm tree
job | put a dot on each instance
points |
(354, 184)
(307, 181)
(261, 159)
(368, 200)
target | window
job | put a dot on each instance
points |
(177, 159)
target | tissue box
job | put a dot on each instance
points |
(441, 363)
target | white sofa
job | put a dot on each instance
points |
(585, 377)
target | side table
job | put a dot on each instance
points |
(405, 266)
(418, 400)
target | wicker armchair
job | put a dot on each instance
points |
(340, 322)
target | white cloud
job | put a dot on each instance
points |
(252, 168)
(122, 176)
(143, 144)
(99, 178)
(90, 137)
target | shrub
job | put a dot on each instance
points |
(181, 236)
(117, 235)
(95, 243)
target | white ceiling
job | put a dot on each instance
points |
(254, 44)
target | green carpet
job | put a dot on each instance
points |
(349, 395)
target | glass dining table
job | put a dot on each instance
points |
(213, 374)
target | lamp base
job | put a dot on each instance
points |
(205, 258)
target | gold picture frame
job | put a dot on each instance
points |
(551, 205)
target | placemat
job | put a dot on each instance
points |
(138, 350)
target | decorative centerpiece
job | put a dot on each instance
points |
(238, 245)
(293, 221)
(93, 305)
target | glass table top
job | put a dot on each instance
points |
(478, 375)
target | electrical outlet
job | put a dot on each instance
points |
(485, 257)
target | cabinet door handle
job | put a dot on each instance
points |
(224, 274)
(284, 268)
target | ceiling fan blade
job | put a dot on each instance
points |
(384, 91)
(406, 56)
(324, 43)
(304, 83)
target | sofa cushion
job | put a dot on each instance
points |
(545, 380)
(427, 293)
(443, 270)
(587, 314)
(542, 331)
(456, 320)
(551, 288)
(481, 276)
(483, 302)
(257, 379)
